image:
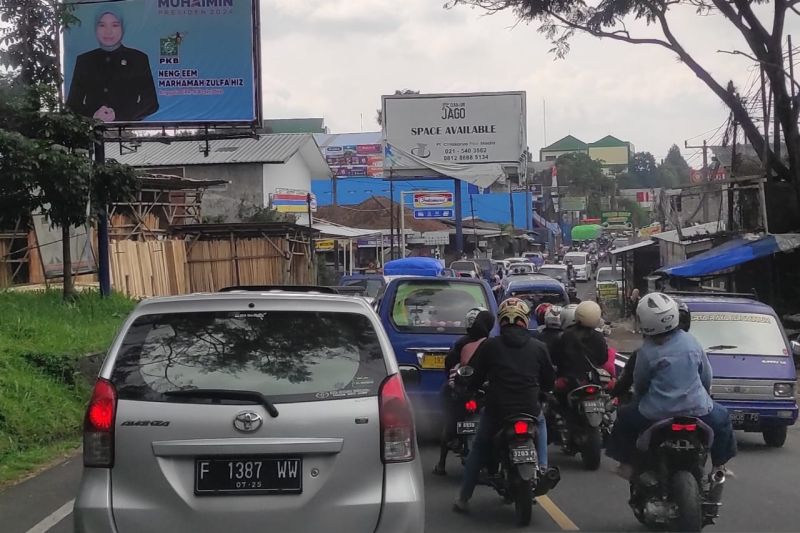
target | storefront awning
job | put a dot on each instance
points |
(732, 253)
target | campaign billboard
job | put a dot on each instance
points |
(352, 155)
(442, 131)
(163, 62)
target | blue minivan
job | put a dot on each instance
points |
(754, 372)
(535, 289)
(424, 317)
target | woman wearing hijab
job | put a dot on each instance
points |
(112, 83)
(479, 326)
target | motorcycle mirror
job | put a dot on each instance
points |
(465, 371)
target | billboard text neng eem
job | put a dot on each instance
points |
(155, 62)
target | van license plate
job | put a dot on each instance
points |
(433, 361)
(248, 475)
(739, 418)
(466, 428)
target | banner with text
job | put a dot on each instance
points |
(352, 155)
(163, 61)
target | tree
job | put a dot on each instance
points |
(560, 20)
(644, 170)
(379, 112)
(583, 176)
(44, 149)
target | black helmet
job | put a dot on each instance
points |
(684, 315)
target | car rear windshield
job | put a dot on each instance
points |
(288, 356)
(521, 268)
(739, 333)
(576, 259)
(609, 275)
(435, 307)
(463, 265)
(553, 272)
(372, 287)
(535, 297)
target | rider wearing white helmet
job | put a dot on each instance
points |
(672, 377)
(581, 348)
(551, 331)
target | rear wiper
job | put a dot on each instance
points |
(722, 347)
(225, 394)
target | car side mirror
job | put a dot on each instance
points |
(795, 348)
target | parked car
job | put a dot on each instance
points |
(466, 269)
(423, 318)
(751, 359)
(580, 262)
(215, 412)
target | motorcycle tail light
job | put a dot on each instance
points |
(521, 427)
(684, 427)
(591, 390)
(471, 406)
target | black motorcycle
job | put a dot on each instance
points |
(668, 487)
(467, 404)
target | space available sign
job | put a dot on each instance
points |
(423, 131)
(149, 62)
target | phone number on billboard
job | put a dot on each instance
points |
(465, 154)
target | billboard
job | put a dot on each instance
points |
(433, 205)
(573, 203)
(156, 62)
(445, 131)
(51, 249)
(352, 155)
(292, 201)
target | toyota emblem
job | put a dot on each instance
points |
(247, 421)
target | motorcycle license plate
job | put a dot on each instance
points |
(740, 418)
(523, 455)
(594, 406)
(466, 428)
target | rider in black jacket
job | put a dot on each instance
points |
(581, 347)
(517, 368)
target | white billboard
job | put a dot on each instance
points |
(441, 132)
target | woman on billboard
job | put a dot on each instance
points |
(112, 83)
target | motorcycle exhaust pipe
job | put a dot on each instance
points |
(548, 481)
(715, 486)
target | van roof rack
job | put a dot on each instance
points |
(752, 295)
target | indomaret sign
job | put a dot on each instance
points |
(440, 131)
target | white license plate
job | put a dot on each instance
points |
(466, 428)
(594, 406)
(523, 455)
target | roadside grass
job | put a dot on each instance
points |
(42, 396)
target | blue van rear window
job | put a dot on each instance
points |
(436, 307)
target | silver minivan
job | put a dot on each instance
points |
(246, 410)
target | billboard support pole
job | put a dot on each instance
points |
(311, 239)
(391, 217)
(459, 219)
(104, 266)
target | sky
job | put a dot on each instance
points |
(336, 58)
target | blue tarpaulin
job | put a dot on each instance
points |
(732, 253)
(413, 266)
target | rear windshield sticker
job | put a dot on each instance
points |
(731, 317)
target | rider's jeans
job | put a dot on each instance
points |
(630, 423)
(482, 447)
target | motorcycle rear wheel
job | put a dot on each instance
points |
(592, 449)
(685, 493)
(523, 501)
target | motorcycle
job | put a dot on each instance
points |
(467, 404)
(668, 487)
(582, 425)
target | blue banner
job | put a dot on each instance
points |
(162, 61)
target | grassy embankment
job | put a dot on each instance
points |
(42, 397)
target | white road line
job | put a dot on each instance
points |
(53, 518)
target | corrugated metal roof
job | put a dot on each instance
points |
(567, 143)
(277, 148)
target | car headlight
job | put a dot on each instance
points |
(784, 390)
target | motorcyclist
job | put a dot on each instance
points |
(479, 323)
(517, 368)
(539, 313)
(551, 331)
(581, 348)
(671, 377)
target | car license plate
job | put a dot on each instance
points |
(433, 361)
(740, 418)
(523, 455)
(466, 428)
(248, 475)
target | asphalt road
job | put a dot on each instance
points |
(762, 496)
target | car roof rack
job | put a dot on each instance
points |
(751, 295)
(284, 288)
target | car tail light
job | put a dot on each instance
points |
(471, 406)
(521, 427)
(397, 422)
(591, 389)
(684, 427)
(98, 426)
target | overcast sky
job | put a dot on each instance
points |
(336, 58)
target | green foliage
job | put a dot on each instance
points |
(584, 177)
(639, 215)
(676, 165)
(41, 340)
(250, 212)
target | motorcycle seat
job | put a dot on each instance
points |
(646, 438)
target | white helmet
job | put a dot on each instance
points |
(657, 313)
(552, 318)
(472, 314)
(568, 315)
(588, 314)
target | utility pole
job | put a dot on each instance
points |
(733, 174)
(704, 173)
(765, 115)
(391, 218)
(511, 207)
(103, 258)
(474, 227)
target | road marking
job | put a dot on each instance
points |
(54, 518)
(557, 514)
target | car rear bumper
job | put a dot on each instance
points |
(403, 508)
(92, 512)
(775, 413)
(582, 275)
